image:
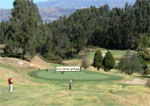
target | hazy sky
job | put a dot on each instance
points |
(7, 4)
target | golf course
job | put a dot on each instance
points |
(75, 53)
(34, 87)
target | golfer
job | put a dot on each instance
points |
(70, 85)
(10, 83)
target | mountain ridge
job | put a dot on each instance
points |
(52, 9)
(84, 3)
(48, 14)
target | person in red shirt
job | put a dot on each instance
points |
(10, 83)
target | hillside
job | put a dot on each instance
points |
(50, 14)
(18, 68)
(4, 14)
(36, 63)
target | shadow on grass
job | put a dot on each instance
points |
(143, 76)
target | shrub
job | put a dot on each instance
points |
(148, 83)
(56, 59)
(145, 69)
(85, 62)
(130, 63)
(108, 61)
(145, 55)
(143, 41)
(97, 62)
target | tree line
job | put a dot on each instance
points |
(25, 34)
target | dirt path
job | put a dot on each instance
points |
(136, 82)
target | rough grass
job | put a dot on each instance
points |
(111, 93)
(36, 61)
(9, 67)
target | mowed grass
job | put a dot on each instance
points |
(118, 52)
(114, 53)
(84, 75)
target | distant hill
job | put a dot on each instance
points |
(48, 14)
(4, 14)
(53, 9)
(84, 3)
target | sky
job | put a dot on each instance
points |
(8, 4)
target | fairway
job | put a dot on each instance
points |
(84, 75)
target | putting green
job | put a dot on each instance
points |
(82, 75)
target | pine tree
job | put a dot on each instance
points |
(23, 28)
(108, 61)
(3, 29)
(143, 41)
(98, 59)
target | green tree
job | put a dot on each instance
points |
(145, 69)
(23, 28)
(78, 37)
(3, 30)
(130, 63)
(85, 62)
(97, 62)
(108, 61)
(144, 54)
(112, 29)
(60, 41)
(144, 41)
